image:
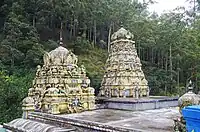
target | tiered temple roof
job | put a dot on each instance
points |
(60, 86)
(124, 76)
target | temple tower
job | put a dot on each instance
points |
(123, 76)
(60, 85)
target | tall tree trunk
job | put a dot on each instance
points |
(152, 57)
(51, 23)
(109, 35)
(158, 58)
(66, 25)
(74, 28)
(195, 72)
(12, 55)
(90, 34)
(196, 84)
(34, 21)
(85, 32)
(166, 68)
(113, 27)
(170, 59)
(178, 79)
(95, 32)
(70, 33)
(139, 49)
(148, 55)
(143, 53)
(162, 60)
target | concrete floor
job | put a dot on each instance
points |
(158, 120)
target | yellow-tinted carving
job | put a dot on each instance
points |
(124, 76)
(60, 86)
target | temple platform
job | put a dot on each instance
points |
(153, 114)
(160, 120)
(107, 120)
(146, 103)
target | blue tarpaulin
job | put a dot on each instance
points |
(191, 114)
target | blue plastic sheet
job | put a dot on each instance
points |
(191, 114)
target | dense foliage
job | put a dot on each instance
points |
(168, 45)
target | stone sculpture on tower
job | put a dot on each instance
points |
(60, 86)
(123, 76)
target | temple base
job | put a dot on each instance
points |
(145, 103)
(107, 120)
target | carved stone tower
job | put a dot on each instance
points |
(123, 76)
(60, 86)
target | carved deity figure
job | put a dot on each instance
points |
(74, 59)
(137, 92)
(69, 58)
(57, 61)
(46, 58)
(83, 69)
(38, 70)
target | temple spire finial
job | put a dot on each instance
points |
(121, 25)
(61, 39)
(190, 86)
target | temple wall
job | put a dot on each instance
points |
(135, 105)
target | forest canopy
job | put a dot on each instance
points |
(168, 44)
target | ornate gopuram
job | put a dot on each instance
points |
(60, 86)
(123, 76)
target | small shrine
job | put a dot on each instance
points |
(60, 85)
(123, 76)
(188, 99)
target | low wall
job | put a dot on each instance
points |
(145, 104)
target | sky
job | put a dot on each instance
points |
(167, 5)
